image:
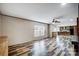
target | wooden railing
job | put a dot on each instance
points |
(3, 46)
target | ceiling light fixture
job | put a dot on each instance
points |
(63, 3)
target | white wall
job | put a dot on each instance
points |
(20, 31)
(53, 28)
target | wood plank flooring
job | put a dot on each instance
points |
(59, 46)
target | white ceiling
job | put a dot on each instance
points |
(42, 12)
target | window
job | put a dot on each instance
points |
(39, 30)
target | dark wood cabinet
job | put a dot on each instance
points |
(72, 30)
(78, 28)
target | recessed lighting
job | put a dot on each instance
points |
(63, 3)
(71, 20)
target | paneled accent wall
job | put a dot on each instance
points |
(20, 30)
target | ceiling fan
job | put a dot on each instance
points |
(56, 19)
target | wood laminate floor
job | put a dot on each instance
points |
(60, 46)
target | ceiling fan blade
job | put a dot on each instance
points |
(59, 17)
(57, 21)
